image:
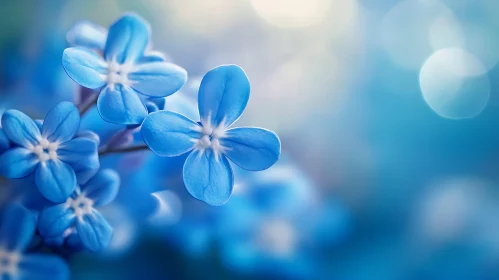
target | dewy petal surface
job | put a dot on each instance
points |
(42, 267)
(103, 187)
(207, 178)
(54, 220)
(127, 39)
(20, 129)
(169, 133)
(252, 148)
(223, 94)
(85, 67)
(61, 123)
(17, 163)
(17, 228)
(55, 180)
(94, 231)
(121, 106)
(157, 79)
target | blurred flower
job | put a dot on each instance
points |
(77, 215)
(207, 174)
(123, 75)
(17, 228)
(52, 151)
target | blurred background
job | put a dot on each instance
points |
(389, 120)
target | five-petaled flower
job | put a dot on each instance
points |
(17, 229)
(125, 72)
(223, 95)
(77, 216)
(53, 151)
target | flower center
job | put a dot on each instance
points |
(45, 150)
(80, 204)
(118, 74)
(211, 136)
(9, 262)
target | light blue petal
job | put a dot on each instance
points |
(152, 56)
(223, 94)
(127, 39)
(182, 104)
(42, 267)
(157, 79)
(4, 141)
(20, 129)
(17, 163)
(252, 148)
(17, 228)
(87, 34)
(207, 178)
(55, 180)
(81, 154)
(55, 220)
(85, 67)
(169, 133)
(121, 105)
(94, 231)
(39, 124)
(61, 123)
(103, 187)
(89, 135)
(151, 107)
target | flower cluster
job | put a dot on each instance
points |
(128, 83)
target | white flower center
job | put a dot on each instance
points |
(9, 262)
(45, 150)
(210, 138)
(118, 73)
(81, 205)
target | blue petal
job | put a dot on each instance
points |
(180, 103)
(81, 154)
(103, 187)
(169, 133)
(127, 39)
(55, 180)
(87, 34)
(153, 56)
(223, 94)
(252, 148)
(121, 106)
(20, 128)
(89, 135)
(17, 163)
(4, 141)
(85, 67)
(17, 228)
(61, 123)
(94, 231)
(157, 79)
(42, 267)
(55, 220)
(208, 178)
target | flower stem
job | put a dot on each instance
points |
(88, 102)
(128, 149)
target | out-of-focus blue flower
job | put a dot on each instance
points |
(87, 34)
(123, 74)
(53, 151)
(207, 174)
(78, 216)
(17, 228)
(4, 141)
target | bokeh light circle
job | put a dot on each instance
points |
(455, 84)
(414, 29)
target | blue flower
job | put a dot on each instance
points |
(223, 95)
(4, 141)
(17, 228)
(58, 157)
(125, 73)
(77, 215)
